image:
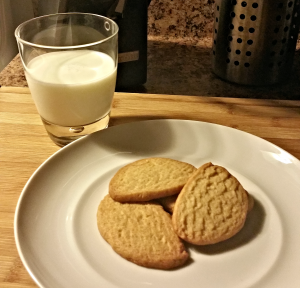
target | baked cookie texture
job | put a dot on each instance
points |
(168, 202)
(149, 179)
(211, 207)
(141, 233)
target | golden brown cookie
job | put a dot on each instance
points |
(168, 202)
(148, 179)
(141, 233)
(250, 202)
(211, 207)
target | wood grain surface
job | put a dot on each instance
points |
(24, 143)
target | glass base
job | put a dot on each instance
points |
(63, 135)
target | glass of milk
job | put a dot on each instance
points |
(70, 63)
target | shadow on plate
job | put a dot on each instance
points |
(252, 228)
(188, 262)
(147, 138)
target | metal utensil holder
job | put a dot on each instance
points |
(254, 41)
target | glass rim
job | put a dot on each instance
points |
(20, 40)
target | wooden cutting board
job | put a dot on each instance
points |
(24, 143)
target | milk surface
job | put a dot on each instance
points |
(72, 88)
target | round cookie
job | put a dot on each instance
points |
(211, 207)
(250, 202)
(149, 178)
(168, 202)
(141, 233)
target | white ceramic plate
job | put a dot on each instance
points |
(56, 229)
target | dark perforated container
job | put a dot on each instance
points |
(255, 40)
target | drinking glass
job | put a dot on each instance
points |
(70, 63)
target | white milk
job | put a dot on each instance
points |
(72, 88)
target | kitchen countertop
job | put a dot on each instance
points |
(179, 57)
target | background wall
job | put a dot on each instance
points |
(12, 13)
(181, 18)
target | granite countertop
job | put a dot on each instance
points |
(179, 57)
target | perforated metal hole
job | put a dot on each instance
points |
(244, 17)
